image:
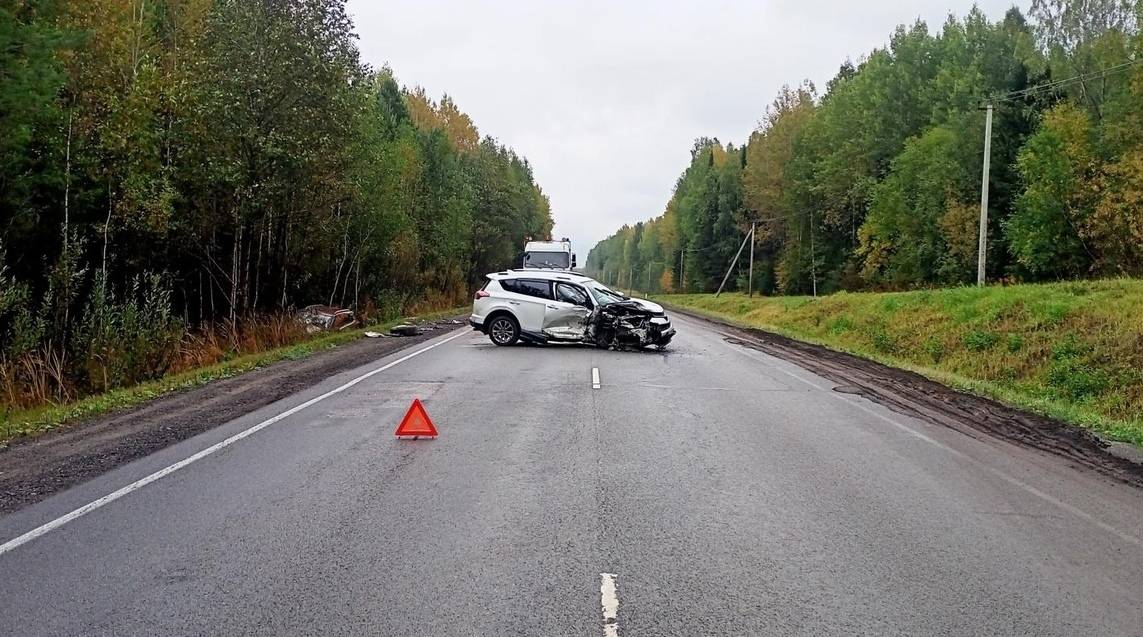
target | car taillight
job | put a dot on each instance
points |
(480, 294)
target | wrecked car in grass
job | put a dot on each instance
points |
(542, 307)
(325, 318)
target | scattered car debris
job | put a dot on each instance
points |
(405, 329)
(326, 318)
(372, 334)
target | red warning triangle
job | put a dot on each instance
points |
(416, 422)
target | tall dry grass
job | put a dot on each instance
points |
(49, 375)
(215, 342)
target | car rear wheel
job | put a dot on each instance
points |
(504, 330)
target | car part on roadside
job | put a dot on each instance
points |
(405, 329)
(325, 318)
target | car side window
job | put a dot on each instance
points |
(531, 287)
(509, 285)
(571, 294)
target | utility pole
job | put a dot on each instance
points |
(735, 260)
(982, 249)
(682, 273)
(750, 277)
(813, 257)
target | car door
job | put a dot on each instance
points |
(528, 300)
(565, 318)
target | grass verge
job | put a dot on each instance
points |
(1072, 351)
(40, 419)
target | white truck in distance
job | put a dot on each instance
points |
(548, 255)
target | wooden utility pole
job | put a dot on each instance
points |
(813, 257)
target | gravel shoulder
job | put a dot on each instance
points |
(31, 469)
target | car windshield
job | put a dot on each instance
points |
(547, 260)
(604, 295)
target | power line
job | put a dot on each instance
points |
(982, 235)
(758, 221)
(1043, 88)
(783, 217)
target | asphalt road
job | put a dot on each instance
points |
(723, 492)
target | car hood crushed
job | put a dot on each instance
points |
(629, 324)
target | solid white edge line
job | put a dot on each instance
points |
(595, 378)
(609, 600)
(161, 473)
(1014, 481)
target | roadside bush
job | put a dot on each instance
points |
(934, 348)
(27, 368)
(840, 325)
(1075, 380)
(117, 341)
(125, 342)
(979, 340)
(883, 342)
(1071, 375)
(21, 329)
(1069, 347)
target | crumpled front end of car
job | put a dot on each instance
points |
(628, 325)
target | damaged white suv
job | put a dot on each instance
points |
(540, 306)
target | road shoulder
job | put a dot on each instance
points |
(915, 395)
(33, 469)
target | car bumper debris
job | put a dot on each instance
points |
(405, 330)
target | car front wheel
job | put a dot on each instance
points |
(504, 330)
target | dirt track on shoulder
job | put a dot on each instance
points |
(914, 395)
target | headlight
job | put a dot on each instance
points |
(660, 320)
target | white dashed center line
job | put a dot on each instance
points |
(595, 378)
(610, 599)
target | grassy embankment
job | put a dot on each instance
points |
(1073, 351)
(39, 419)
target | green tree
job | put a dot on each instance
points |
(917, 212)
(1058, 167)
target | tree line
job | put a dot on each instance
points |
(875, 183)
(172, 163)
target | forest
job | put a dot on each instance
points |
(177, 176)
(875, 182)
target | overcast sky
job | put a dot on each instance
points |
(606, 98)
